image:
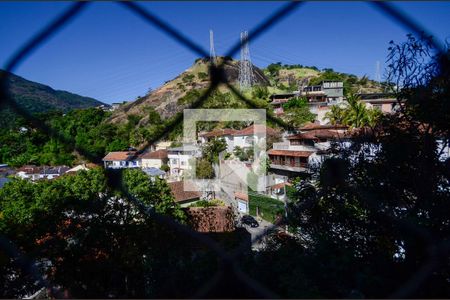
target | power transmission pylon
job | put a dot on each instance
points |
(245, 64)
(212, 52)
(377, 72)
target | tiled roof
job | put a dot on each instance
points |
(119, 155)
(184, 148)
(315, 134)
(180, 194)
(30, 169)
(255, 129)
(158, 154)
(280, 185)
(219, 132)
(290, 153)
(240, 195)
(211, 219)
(312, 126)
(54, 170)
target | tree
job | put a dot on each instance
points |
(355, 113)
(297, 112)
(260, 92)
(375, 209)
(336, 115)
(154, 193)
(213, 148)
(204, 169)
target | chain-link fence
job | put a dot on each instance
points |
(228, 259)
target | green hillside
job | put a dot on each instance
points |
(34, 97)
(286, 78)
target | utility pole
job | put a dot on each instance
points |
(245, 64)
(212, 51)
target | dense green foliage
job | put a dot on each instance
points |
(79, 135)
(297, 112)
(208, 203)
(153, 192)
(210, 157)
(354, 114)
(84, 231)
(204, 169)
(269, 208)
(351, 82)
(243, 154)
(84, 130)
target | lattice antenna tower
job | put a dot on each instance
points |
(377, 72)
(245, 64)
(212, 51)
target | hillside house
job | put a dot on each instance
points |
(252, 135)
(182, 197)
(386, 103)
(37, 173)
(241, 202)
(325, 94)
(121, 160)
(154, 159)
(277, 101)
(179, 158)
(298, 152)
(227, 134)
(82, 167)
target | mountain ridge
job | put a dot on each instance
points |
(36, 97)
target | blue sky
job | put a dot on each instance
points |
(112, 55)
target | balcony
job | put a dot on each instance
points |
(300, 167)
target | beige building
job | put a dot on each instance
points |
(154, 159)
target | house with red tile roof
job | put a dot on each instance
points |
(227, 134)
(253, 134)
(182, 196)
(154, 159)
(298, 152)
(121, 160)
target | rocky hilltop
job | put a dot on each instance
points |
(165, 99)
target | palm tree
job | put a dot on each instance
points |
(336, 115)
(354, 114)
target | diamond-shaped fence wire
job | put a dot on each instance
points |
(227, 259)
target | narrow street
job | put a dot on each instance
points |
(258, 231)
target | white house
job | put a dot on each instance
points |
(252, 135)
(227, 134)
(179, 158)
(37, 173)
(120, 160)
(241, 202)
(244, 138)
